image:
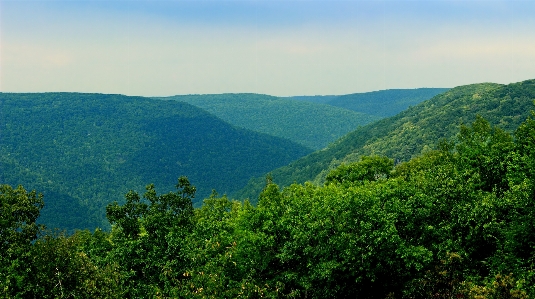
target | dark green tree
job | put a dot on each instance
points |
(19, 209)
(484, 153)
(62, 269)
(149, 236)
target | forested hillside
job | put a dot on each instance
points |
(385, 103)
(455, 222)
(412, 131)
(381, 103)
(314, 99)
(312, 125)
(86, 150)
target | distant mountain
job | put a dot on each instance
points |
(408, 133)
(385, 103)
(84, 151)
(382, 103)
(314, 99)
(312, 125)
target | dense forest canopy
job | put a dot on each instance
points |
(312, 121)
(84, 150)
(385, 103)
(455, 222)
(412, 131)
(313, 125)
(435, 202)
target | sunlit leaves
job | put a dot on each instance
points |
(367, 170)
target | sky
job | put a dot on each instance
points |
(281, 48)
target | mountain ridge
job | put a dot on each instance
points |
(312, 121)
(94, 148)
(401, 137)
(312, 125)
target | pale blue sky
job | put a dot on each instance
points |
(159, 48)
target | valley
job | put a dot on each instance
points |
(437, 199)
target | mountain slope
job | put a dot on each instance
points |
(86, 150)
(385, 103)
(314, 99)
(313, 125)
(408, 133)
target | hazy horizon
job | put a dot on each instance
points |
(280, 48)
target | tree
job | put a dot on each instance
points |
(484, 152)
(62, 269)
(149, 236)
(19, 210)
(369, 169)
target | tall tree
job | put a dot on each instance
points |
(19, 209)
(149, 235)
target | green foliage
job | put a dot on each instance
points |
(500, 287)
(446, 220)
(525, 140)
(86, 150)
(61, 269)
(485, 154)
(385, 103)
(457, 221)
(313, 125)
(411, 132)
(367, 170)
(148, 237)
(445, 224)
(19, 210)
(444, 280)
